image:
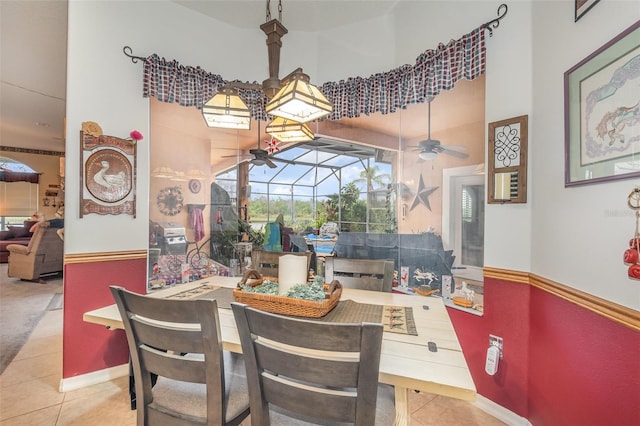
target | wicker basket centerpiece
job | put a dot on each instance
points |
(282, 304)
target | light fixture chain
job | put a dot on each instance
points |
(268, 17)
(280, 10)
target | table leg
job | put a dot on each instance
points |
(132, 387)
(402, 407)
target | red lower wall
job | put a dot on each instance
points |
(506, 314)
(562, 365)
(89, 347)
(585, 369)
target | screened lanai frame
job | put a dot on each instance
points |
(312, 171)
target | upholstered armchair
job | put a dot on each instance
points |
(43, 255)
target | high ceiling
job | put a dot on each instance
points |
(33, 65)
(33, 69)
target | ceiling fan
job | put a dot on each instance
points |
(261, 157)
(258, 156)
(430, 148)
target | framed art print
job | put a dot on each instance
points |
(602, 113)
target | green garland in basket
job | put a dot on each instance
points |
(267, 287)
(313, 291)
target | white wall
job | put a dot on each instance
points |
(106, 87)
(580, 232)
(574, 236)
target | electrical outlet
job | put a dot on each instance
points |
(496, 341)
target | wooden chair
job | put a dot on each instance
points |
(179, 341)
(311, 372)
(364, 274)
(266, 262)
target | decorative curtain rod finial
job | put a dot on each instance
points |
(495, 23)
(129, 53)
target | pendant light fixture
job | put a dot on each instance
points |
(299, 100)
(226, 109)
(293, 99)
(286, 130)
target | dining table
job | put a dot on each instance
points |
(428, 360)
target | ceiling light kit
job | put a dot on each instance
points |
(293, 100)
(286, 130)
(226, 109)
(430, 148)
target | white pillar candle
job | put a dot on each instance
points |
(292, 270)
(502, 187)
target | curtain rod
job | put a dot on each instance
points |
(490, 25)
(495, 23)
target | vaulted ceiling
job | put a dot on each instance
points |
(33, 65)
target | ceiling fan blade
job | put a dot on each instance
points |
(454, 153)
(459, 147)
(237, 156)
(270, 163)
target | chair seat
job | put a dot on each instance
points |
(385, 412)
(190, 398)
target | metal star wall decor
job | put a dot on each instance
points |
(422, 195)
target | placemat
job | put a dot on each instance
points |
(395, 319)
(223, 295)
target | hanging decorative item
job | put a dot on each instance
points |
(170, 201)
(135, 136)
(631, 255)
(507, 165)
(195, 185)
(422, 195)
(107, 177)
(272, 146)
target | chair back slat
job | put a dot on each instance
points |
(305, 333)
(328, 404)
(266, 262)
(363, 274)
(185, 340)
(173, 366)
(311, 366)
(292, 361)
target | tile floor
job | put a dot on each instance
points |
(29, 392)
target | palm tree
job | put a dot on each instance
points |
(371, 175)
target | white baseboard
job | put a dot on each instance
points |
(499, 412)
(95, 377)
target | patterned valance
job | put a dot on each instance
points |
(434, 70)
(190, 86)
(10, 176)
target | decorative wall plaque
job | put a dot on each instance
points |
(170, 201)
(108, 175)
